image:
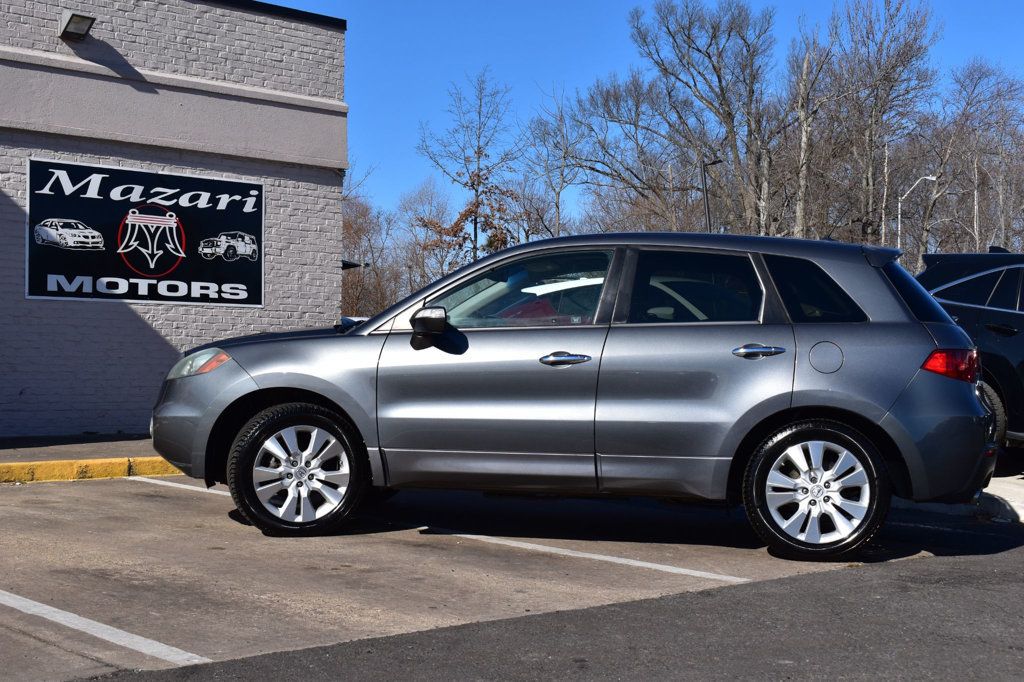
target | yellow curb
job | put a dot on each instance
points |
(77, 469)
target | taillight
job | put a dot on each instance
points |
(955, 364)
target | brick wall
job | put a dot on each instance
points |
(70, 367)
(192, 38)
(95, 366)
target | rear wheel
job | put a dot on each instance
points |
(994, 404)
(816, 490)
(297, 469)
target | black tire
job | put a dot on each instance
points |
(39, 239)
(207, 256)
(248, 445)
(994, 404)
(230, 253)
(755, 490)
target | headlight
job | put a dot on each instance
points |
(198, 363)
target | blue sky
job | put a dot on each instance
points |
(401, 56)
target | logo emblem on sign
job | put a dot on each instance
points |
(151, 236)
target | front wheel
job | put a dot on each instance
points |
(297, 469)
(816, 490)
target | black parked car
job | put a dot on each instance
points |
(982, 292)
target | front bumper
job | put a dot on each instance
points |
(187, 410)
(942, 431)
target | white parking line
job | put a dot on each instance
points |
(111, 634)
(599, 557)
(172, 484)
(636, 563)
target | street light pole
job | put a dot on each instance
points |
(704, 187)
(899, 209)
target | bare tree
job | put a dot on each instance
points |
(714, 64)
(437, 233)
(475, 151)
(370, 239)
(882, 57)
(809, 60)
(551, 147)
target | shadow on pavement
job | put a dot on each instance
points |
(1010, 463)
(906, 533)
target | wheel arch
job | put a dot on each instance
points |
(899, 475)
(235, 415)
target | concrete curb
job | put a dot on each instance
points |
(78, 469)
(988, 505)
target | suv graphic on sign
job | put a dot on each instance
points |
(229, 246)
(67, 234)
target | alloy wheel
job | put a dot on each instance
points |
(818, 492)
(301, 474)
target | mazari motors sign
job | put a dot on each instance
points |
(98, 232)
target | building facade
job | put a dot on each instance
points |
(171, 178)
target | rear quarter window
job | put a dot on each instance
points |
(809, 294)
(921, 304)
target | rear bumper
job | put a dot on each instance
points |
(942, 431)
(187, 410)
(979, 481)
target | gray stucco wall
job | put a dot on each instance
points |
(69, 367)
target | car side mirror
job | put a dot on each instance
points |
(427, 325)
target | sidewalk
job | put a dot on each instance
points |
(67, 459)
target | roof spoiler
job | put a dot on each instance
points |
(878, 256)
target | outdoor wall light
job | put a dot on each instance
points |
(74, 26)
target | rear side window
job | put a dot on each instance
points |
(809, 294)
(921, 304)
(973, 291)
(1005, 294)
(681, 286)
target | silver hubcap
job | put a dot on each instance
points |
(301, 474)
(817, 492)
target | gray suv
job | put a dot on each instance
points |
(808, 381)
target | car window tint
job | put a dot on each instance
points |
(678, 286)
(561, 289)
(1005, 294)
(973, 291)
(922, 305)
(809, 294)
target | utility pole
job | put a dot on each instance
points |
(899, 209)
(704, 187)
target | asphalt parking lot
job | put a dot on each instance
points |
(144, 574)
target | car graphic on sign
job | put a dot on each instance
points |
(229, 246)
(67, 233)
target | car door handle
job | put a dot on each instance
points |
(561, 358)
(1002, 329)
(753, 351)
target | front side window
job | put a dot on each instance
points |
(681, 286)
(809, 294)
(562, 289)
(973, 291)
